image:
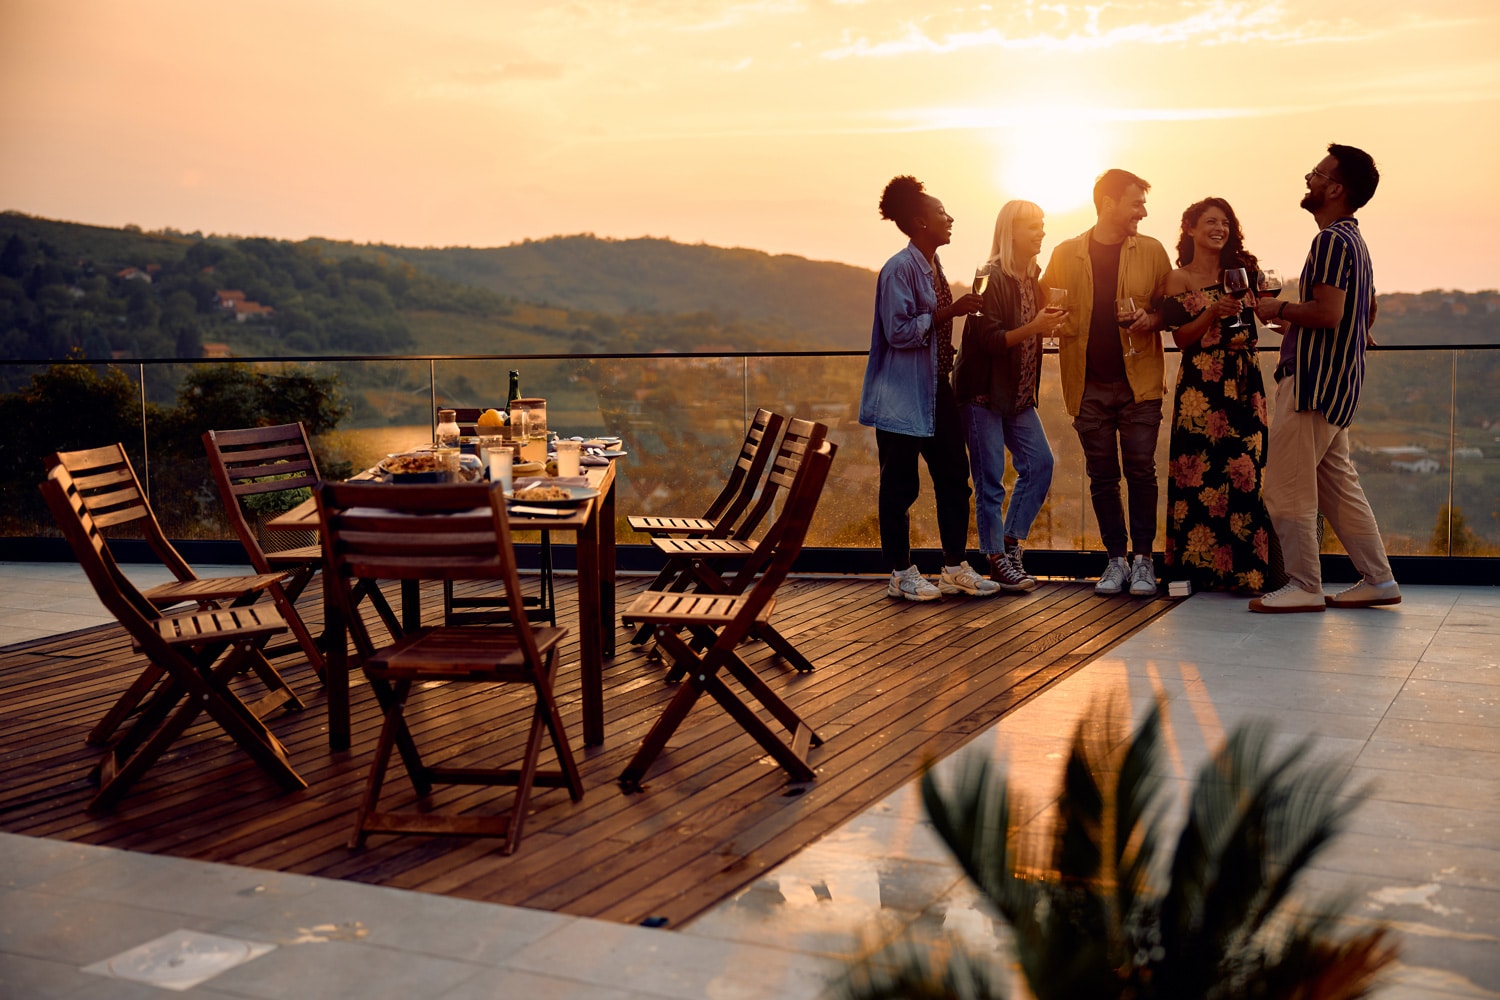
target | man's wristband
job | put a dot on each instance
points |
(1281, 309)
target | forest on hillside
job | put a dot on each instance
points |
(70, 290)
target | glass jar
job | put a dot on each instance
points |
(446, 435)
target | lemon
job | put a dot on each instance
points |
(491, 418)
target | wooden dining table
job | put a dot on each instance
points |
(592, 523)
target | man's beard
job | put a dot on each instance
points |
(1312, 201)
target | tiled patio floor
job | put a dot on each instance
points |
(1407, 696)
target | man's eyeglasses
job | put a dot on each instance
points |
(1327, 177)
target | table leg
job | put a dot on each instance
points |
(336, 668)
(607, 568)
(411, 605)
(590, 630)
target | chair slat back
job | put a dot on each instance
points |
(749, 468)
(374, 531)
(784, 541)
(106, 486)
(254, 461)
(119, 596)
(802, 437)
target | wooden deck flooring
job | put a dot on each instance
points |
(897, 684)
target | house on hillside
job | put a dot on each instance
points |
(234, 301)
(1419, 467)
(133, 274)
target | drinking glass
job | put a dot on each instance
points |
(981, 282)
(1270, 281)
(1057, 299)
(568, 457)
(1125, 312)
(1236, 284)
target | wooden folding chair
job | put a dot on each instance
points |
(105, 486)
(699, 562)
(682, 547)
(263, 462)
(460, 532)
(730, 617)
(196, 654)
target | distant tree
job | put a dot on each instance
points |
(64, 407)
(1466, 542)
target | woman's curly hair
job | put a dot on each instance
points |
(1232, 254)
(901, 201)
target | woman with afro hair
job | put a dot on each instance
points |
(908, 398)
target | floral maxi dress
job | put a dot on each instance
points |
(1219, 535)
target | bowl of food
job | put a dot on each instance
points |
(415, 467)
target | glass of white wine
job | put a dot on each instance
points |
(1057, 301)
(981, 282)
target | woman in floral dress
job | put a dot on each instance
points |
(1219, 536)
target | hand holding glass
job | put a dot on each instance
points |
(1125, 315)
(1057, 301)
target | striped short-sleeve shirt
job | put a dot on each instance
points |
(1330, 366)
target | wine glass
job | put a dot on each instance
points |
(1236, 284)
(1125, 313)
(1268, 282)
(981, 282)
(1057, 299)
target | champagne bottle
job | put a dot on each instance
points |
(515, 389)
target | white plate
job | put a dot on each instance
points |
(576, 495)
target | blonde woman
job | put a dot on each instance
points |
(995, 380)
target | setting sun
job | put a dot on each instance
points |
(1057, 171)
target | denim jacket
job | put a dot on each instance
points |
(900, 391)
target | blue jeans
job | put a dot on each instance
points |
(990, 435)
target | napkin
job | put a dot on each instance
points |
(587, 459)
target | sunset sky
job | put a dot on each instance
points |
(771, 124)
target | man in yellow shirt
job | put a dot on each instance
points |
(1115, 396)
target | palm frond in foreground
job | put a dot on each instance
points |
(1106, 914)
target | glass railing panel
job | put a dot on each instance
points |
(681, 420)
(1399, 443)
(826, 389)
(568, 386)
(65, 407)
(347, 408)
(1476, 455)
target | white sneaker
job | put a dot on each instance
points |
(1142, 577)
(1290, 599)
(1366, 595)
(1112, 580)
(962, 579)
(910, 584)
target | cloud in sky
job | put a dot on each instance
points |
(1063, 27)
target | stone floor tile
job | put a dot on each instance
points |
(655, 962)
(73, 929)
(507, 984)
(344, 969)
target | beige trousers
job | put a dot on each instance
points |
(1308, 469)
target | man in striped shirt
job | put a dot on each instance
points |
(1321, 369)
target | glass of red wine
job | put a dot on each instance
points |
(1236, 284)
